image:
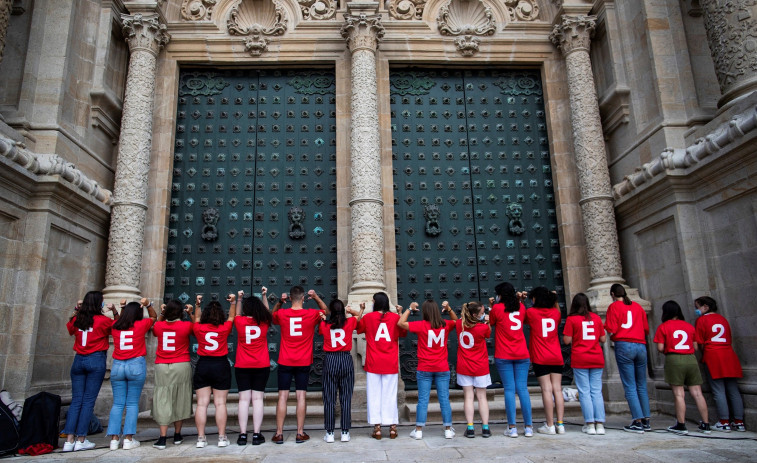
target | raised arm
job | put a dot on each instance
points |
(147, 304)
(280, 302)
(198, 308)
(402, 322)
(234, 304)
(321, 305)
(355, 313)
(113, 311)
(162, 314)
(447, 308)
(264, 297)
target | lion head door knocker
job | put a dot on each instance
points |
(515, 212)
(431, 212)
(210, 218)
(296, 228)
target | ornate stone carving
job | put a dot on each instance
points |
(522, 10)
(406, 9)
(201, 83)
(197, 10)
(145, 33)
(414, 84)
(313, 83)
(573, 33)
(732, 35)
(467, 45)
(466, 19)
(256, 19)
(362, 31)
(5, 16)
(318, 9)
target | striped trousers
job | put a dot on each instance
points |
(338, 376)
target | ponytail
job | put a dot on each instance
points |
(470, 310)
(618, 290)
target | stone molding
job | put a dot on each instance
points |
(573, 33)
(318, 9)
(406, 9)
(197, 10)
(5, 16)
(362, 31)
(522, 10)
(145, 32)
(671, 159)
(256, 22)
(53, 164)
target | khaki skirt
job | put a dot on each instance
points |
(172, 398)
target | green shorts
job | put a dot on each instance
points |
(682, 370)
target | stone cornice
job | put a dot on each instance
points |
(145, 32)
(573, 33)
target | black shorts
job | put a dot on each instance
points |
(300, 375)
(252, 378)
(543, 370)
(214, 372)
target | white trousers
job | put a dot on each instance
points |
(382, 398)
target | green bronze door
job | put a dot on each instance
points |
(253, 198)
(473, 198)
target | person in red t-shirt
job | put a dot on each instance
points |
(675, 338)
(381, 364)
(90, 329)
(213, 373)
(713, 336)
(172, 396)
(433, 365)
(253, 364)
(338, 370)
(543, 319)
(584, 332)
(473, 364)
(298, 327)
(128, 371)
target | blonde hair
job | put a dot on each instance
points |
(470, 314)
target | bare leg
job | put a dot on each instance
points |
(163, 431)
(176, 427)
(257, 410)
(468, 406)
(546, 397)
(696, 393)
(483, 405)
(244, 410)
(281, 411)
(680, 403)
(302, 409)
(556, 379)
(219, 400)
(201, 413)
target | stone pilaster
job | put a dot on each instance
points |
(731, 27)
(5, 16)
(146, 35)
(363, 31)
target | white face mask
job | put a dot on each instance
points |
(482, 316)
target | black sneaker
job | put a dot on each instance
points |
(242, 439)
(634, 427)
(257, 439)
(679, 428)
(704, 427)
(645, 424)
(160, 443)
(486, 432)
(177, 438)
(470, 433)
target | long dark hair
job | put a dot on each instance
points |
(131, 313)
(338, 315)
(708, 301)
(543, 297)
(507, 296)
(381, 303)
(174, 310)
(432, 314)
(671, 311)
(580, 305)
(253, 306)
(91, 305)
(213, 314)
(617, 290)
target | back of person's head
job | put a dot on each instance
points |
(580, 305)
(131, 313)
(470, 314)
(432, 314)
(297, 293)
(91, 305)
(252, 306)
(380, 302)
(617, 290)
(213, 314)
(507, 296)
(337, 313)
(712, 306)
(174, 310)
(671, 311)
(543, 297)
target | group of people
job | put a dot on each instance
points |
(251, 317)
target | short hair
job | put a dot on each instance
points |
(297, 293)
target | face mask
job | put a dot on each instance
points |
(497, 298)
(103, 305)
(481, 317)
(698, 312)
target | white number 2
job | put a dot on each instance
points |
(720, 330)
(682, 343)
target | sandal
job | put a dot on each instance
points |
(393, 431)
(376, 432)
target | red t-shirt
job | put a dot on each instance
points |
(252, 343)
(677, 335)
(340, 339)
(627, 322)
(129, 344)
(212, 340)
(382, 342)
(297, 331)
(472, 356)
(94, 339)
(173, 341)
(432, 345)
(713, 333)
(545, 344)
(585, 351)
(510, 341)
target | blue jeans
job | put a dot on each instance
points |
(441, 379)
(589, 385)
(514, 375)
(632, 367)
(87, 373)
(126, 378)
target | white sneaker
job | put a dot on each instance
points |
(130, 444)
(512, 432)
(416, 434)
(589, 429)
(68, 446)
(86, 445)
(449, 433)
(202, 442)
(544, 429)
(560, 428)
(600, 428)
(329, 437)
(223, 441)
(114, 444)
(346, 436)
(529, 431)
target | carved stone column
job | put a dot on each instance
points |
(363, 31)
(146, 35)
(732, 36)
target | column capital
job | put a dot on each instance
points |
(145, 32)
(362, 31)
(573, 33)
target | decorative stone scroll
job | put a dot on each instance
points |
(466, 19)
(522, 10)
(317, 9)
(201, 83)
(406, 9)
(256, 19)
(197, 10)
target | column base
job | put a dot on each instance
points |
(114, 294)
(600, 299)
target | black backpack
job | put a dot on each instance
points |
(40, 421)
(9, 431)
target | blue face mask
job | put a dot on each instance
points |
(103, 305)
(698, 312)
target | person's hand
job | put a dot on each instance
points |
(162, 309)
(414, 306)
(351, 311)
(198, 299)
(399, 309)
(187, 308)
(263, 291)
(231, 297)
(323, 316)
(362, 306)
(312, 294)
(446, 307)
(486, 318)
(240, 294)
(521, 296)
(112, 308)
(283, 297)
(123, 303)
(78, 305)
(144, 302)
(491, 301)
